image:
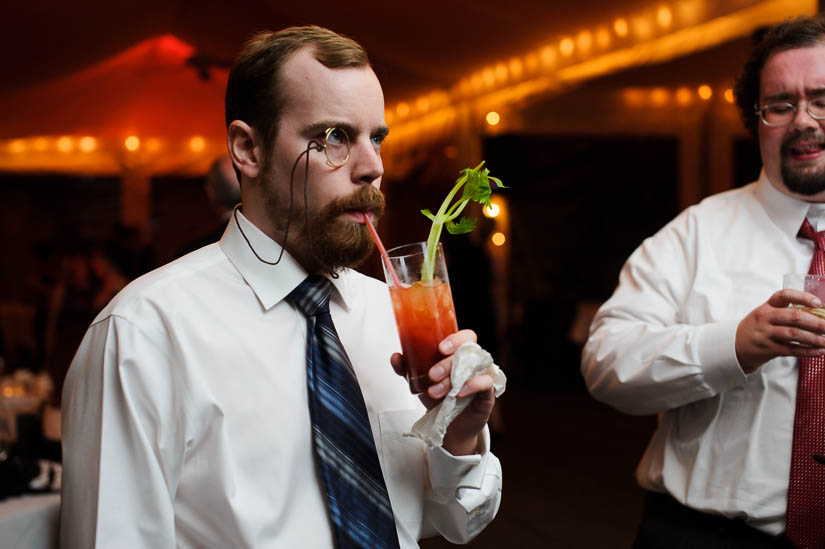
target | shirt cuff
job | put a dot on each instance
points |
(448, 473)
(717, 355)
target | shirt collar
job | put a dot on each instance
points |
(786, 211)
(271, 283)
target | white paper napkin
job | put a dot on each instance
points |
(468, 360)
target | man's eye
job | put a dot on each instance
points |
(818, 103)
(336, 137)
(780, 108)
(377, 140)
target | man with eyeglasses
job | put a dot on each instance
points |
(244, 396)
(700, 332)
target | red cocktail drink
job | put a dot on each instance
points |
(424, 311)
(425, 315)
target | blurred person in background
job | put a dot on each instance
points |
(224, 194)
(699, 332)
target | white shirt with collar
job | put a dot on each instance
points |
(664, 343)
(186, 421)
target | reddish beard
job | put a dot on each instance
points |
(338, 241)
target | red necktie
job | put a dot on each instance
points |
(806, 489)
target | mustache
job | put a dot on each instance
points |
(365, 198)
(809, 135)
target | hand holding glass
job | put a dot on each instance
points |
(812, 284)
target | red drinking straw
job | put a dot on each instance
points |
(382, 251)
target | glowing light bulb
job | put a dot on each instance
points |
(65, 144)
(603, 37)
(705, 92)
(548, 56)
(87, 144)
(493, 118)
(658, 96)
(620, 27)
(501, 72)
(498, 239)
(18, 146)
(516, 67)
(423, 104)
(729, 96)
(197, 143)
(683, 96)
(664, 16)
(566, 46)
(492, 210)
(584, 40)
(132, 143)
(403, 109)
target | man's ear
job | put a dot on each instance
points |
(245, 148)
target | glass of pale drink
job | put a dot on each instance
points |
(812, 284)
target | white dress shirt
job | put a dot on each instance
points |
(186, 420)
(664, 343)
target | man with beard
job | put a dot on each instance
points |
(699, 331)
(215, 403)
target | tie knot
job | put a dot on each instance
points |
(807, 231)
(312, 295)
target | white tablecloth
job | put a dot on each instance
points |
(30, 522)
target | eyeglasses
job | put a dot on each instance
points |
(782, 114)
(336, 147)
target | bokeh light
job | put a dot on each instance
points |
(132, 143)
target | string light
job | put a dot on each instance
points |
(132, 143)
(153, 144)
(658, 96)
(493, 118)
(403, 109)
(584, 40)
(705, 92)
(17, 146)
(492, 210)
(729, 97)
(516, 67)
(498, 239)
(603, 37)
(664, 16)
(65, 144)
(620, 27)
(197, 143)
(566, 46)
(501, 73)
(548, 56)
(87, 144)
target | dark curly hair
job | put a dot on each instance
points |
(796, 33)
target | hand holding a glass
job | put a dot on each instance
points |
(422, 303)
(790, 323)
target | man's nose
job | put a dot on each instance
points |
(802, 118)
(367, 166)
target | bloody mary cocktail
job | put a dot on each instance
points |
(425, 315)
(424, 311)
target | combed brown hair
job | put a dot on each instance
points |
(254, 90)
(796, 33)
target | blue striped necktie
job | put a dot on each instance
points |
(356, 494)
